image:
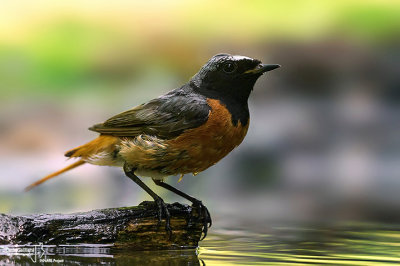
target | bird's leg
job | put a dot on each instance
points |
(162, 207)
(203, 211)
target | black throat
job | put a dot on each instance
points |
(236, 105)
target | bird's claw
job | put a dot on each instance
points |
(163, 210)
(204, 214)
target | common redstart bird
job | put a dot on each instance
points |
(186, 130)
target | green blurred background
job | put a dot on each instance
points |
(323, 143)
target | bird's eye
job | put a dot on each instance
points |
(229, 67)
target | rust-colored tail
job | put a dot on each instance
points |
(103, 143)
(44, 179)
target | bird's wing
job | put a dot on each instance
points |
(165, 117)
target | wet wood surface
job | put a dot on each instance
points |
(134, 228)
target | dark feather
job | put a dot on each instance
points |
(166, 116)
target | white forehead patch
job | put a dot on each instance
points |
(240, 57)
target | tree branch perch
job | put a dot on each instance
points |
(135, 228)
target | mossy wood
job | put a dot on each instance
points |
(135, 228)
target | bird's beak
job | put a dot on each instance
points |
(262, 68)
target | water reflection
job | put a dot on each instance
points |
(356, 244)
(94, 254)
(350, 244)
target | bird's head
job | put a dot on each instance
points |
(229, 75)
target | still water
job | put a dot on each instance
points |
(350, 244)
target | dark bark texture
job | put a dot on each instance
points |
(134, 228)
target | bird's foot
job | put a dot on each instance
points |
(204, 214)
(163, 211)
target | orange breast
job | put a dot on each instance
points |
(206, 145)
(193, 151)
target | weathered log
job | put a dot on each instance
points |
(135, 228)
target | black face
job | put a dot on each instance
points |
(230, 76)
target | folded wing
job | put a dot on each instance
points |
(165, 117)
